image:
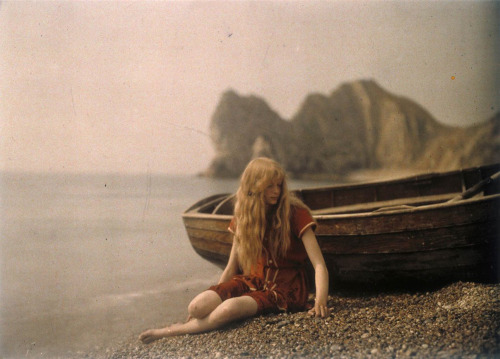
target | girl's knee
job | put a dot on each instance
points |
(225, 313)
(203, 304)
(234, 309)
(194, 308)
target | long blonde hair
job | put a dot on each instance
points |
(250, 212)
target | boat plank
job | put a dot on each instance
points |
(207, 245)
(461, 263)
(433, 216)
(410, 241)
(211, 223)
(210, 235)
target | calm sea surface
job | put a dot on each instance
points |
(90, 260)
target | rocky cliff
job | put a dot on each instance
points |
(358, 126)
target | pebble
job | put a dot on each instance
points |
(461, 320)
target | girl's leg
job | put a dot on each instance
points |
(230, 310)
(203, 304)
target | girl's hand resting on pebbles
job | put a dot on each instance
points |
(320, 310)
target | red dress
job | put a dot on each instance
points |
(276, 284)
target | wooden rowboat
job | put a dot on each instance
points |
(430, 228)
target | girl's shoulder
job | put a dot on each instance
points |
(298, 212)
(299, 207)
(301, 219)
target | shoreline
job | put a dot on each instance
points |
(458, 320)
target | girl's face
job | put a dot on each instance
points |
(272, 192)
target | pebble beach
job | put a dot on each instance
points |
(459, 320)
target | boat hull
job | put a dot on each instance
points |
(434, 244)
(403, 246)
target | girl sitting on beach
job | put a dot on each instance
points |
(273, 236)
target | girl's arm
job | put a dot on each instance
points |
(320, 271)
(232, 266)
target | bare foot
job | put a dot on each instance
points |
(154, 334)
(151, 335)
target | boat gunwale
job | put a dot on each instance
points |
(194, 214)
(206, 201)
(422, 208)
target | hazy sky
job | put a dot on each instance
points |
(131, 86)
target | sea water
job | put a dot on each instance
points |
(89, 260)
